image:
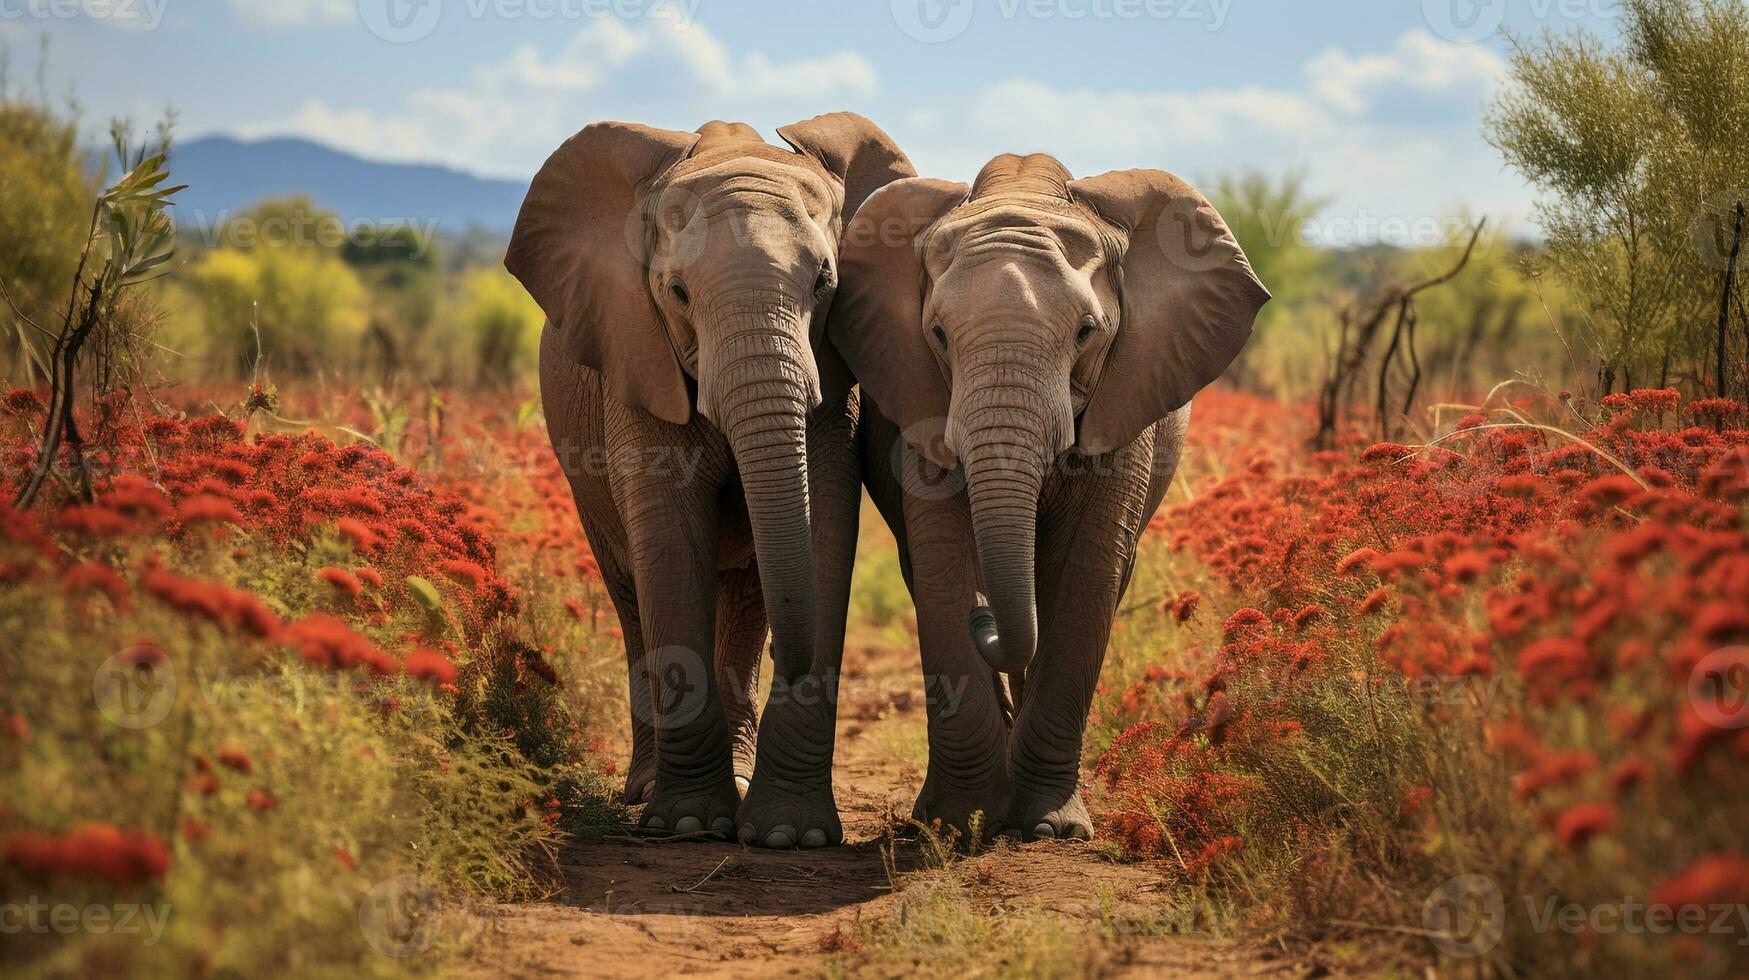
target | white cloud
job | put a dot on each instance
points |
(1418, 61)
(1375, 167)
(295, 13)
(515, 110)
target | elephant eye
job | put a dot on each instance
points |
(823, 281)
(940, 336)
(678, 288)
(1089, 326)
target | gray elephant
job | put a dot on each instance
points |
(709, 435)
(1027, 350)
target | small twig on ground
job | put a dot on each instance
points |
(701, 882)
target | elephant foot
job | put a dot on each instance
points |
(691, 808)
(783, 814)
(955, 806)
(1050, 817)
(640, 781)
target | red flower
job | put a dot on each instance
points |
(205, 508)
(464, 571)
(91, 850)
(93, 577)
(358, 534)
(1627, 774)
(428, 665)
(328, 642)
(1374, 599)
(1554, 770)
(234, 758)
(1716, 879)
(1466, 566)
(1577, 824)
(342, 580)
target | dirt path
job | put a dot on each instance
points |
(874, 907)
(631, 909)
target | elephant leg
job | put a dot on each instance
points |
(1088, 531)
(968, 731)
(740, 641)
(641, 772)
(790, 802)
(671, 529)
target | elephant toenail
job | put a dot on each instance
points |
(782, 836)
(688, 825)
(748, 834)
(722, 825)
(814, 838)
(655, 823)
(1044, 831)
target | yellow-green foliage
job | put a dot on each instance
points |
(502, 324)
(46, 187)
(351, 784)
(289, 308)
(1642, 149)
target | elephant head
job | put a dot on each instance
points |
(1039, 315)
(692, 271)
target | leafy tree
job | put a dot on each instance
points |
(297, 308)
(1642, 151)
(1268, 217)
(503, 325)
(47, 184)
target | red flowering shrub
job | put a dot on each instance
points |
(92, 849)
(1487, 646)
(345, 616)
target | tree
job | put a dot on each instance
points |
(46, 186)
(1642, 152)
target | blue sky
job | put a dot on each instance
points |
(1379, 102)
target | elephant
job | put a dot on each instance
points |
(708, 433)
(1027, 349)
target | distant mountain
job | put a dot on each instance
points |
(226, 174)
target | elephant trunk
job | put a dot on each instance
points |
(759, 392)
(1002, 450)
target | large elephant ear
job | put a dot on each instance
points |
(580, 248)
(1189, 299)
(877, 315)
(853, 149)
